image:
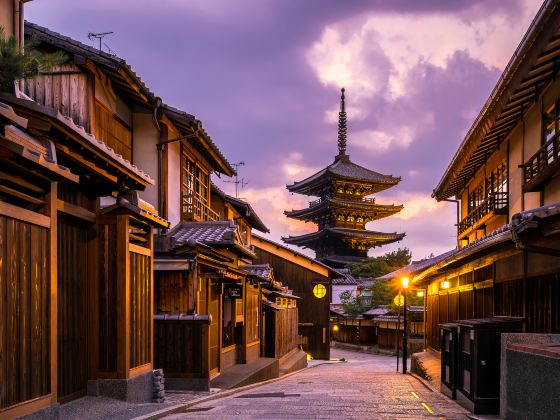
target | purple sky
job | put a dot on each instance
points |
(264, 77)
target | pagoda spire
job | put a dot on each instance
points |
(342, 129)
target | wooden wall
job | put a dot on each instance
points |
(24, 312)
(182, 348)
(311, 310)
(107, 298)
(140, 309)
(72, 307)
(281, 331)
(69, 91)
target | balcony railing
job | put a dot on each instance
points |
(497, 203)
(542, 164)
(195, 209)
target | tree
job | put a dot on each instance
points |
(350, 303)
(378, 266)
(384, 291)
(19, 63)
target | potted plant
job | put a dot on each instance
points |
(18, 63)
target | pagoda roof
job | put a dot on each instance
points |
(318, 207)
(379, 238)
(344, 169)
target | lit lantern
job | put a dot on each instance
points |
(319, 291)
(445, 284)
(335, 328)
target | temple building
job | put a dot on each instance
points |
(342, 210)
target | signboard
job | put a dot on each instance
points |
(399, 300)
(233, 291)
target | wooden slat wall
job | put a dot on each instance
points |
(111, 131)
(536, 298)
(286, 331)
(140, 309)
(67, 93)
(310, 309)
(171, 293)
(72, 307)
(107, 298)
(24, 312)
(182, 348)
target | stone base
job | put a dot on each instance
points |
(187, 384)
(137, 389)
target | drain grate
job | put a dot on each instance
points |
(268, 395)
(195, 410)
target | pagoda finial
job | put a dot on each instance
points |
(342, 130)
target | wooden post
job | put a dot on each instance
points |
(123, 299)
(151, 311)
(51, 210)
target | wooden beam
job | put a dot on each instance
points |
(22, 196)
(24, 215)
(137, 249)
(123, 298)
(76, 211)
(53, 267)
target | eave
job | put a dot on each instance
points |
(318, 209)
(309, 239)
(531, 68)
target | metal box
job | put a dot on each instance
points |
(478, 376)
(449, 359)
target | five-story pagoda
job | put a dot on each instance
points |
(342, 211)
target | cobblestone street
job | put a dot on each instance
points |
(364, 387)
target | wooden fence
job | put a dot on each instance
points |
(181, 345)
(24, 308)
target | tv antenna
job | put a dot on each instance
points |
(99, 36)
(238, 181)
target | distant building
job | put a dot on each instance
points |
(342, 211)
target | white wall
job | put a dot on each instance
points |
(144, 152)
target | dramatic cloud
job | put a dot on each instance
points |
(264, 77)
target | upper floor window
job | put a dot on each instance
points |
(195, 190)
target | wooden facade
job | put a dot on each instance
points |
(505, 180)
(301, 274)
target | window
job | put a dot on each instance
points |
(195, 191)
(551, 122)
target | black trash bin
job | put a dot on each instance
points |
(478, 378)
(449, 359)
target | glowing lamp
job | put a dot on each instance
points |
(335, 328)
(445, 284)
(319, 291)
(420, 293)
(405, 282)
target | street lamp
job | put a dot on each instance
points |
(405, 331)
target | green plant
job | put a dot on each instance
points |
(350, 304)
(19, 63)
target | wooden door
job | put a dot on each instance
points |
(215, 333)
(72, 309)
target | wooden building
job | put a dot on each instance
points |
(342, 211)
(309, 280)
(505, 180)
(76, 277)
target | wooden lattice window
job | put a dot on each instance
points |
(195, 190)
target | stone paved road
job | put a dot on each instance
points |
(365, 387)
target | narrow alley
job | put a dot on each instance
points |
(365, 386)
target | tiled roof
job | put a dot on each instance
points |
(347, 279)
(344, 168)
(370, 235)
(260, 270)
(208, 233)
(318, 207)
(381, 310)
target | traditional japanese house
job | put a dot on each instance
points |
(505, 180)
(205, 294)
(279, 317)
(309, 280)
(77, 279)
(342, 211)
